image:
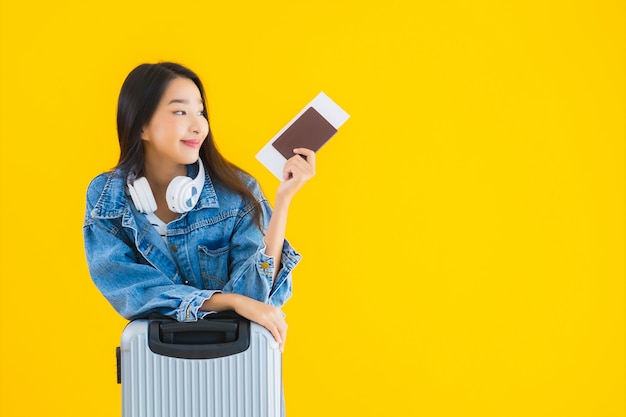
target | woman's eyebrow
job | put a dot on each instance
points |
(182, 101)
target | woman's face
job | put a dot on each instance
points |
(178, 127)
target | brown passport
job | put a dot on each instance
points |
(311, 130)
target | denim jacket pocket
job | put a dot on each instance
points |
(214, 267)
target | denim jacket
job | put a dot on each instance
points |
(215, 247)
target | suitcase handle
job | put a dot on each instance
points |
(214, 337)
(198, 326)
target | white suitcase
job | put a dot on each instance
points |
(223, 366)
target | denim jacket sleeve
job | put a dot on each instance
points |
(119, 267)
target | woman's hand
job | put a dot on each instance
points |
(268, 316)
(298, 169)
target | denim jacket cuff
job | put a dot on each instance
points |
(265, 264)
(189, 309)
(290, 257)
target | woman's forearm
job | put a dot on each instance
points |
(220, 302)
(275, 234)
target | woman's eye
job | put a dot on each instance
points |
(180, 112)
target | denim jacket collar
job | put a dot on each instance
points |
(115, 199)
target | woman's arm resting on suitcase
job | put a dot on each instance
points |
(268, 316)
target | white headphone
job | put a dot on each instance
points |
(182, 193)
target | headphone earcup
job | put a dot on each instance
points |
(142, 196)
(180, 194)
(183, 192)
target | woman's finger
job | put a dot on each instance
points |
(283, 336)
(274, 331)
(309, 155)
(297, 166)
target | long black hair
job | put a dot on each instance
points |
(139, 97)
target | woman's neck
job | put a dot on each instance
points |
(160, 175)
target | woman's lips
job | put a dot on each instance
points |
(192, 143)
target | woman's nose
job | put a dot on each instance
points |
(199, 127)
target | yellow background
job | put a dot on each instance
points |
(463, 240)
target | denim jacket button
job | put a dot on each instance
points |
(174, 248)
(186, 282)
